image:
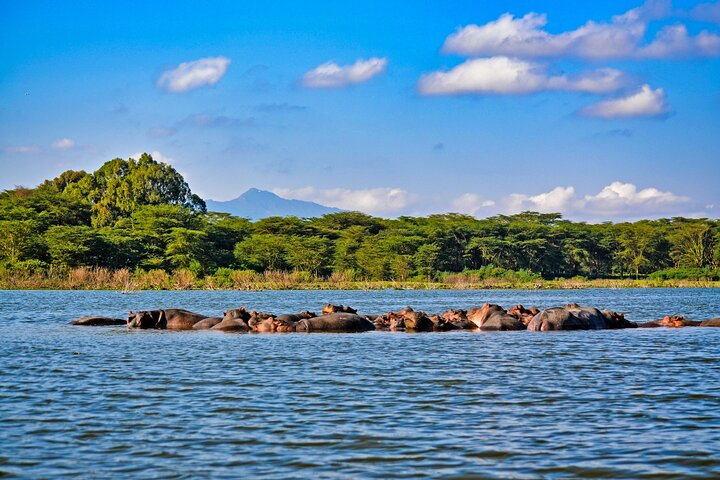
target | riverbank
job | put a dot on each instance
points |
(124, 280)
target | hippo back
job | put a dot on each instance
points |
(570, 317)
(335, 322)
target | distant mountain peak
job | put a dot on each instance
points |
(256, 204)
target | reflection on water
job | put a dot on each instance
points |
(107, 403)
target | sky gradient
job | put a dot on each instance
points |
(606, 111)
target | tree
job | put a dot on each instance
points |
(635, 243)
(263, 252)
(16, 239)
(120, 186)
(692, 245)
(309, 254)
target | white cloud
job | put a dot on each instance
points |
(332, 75)
(625, 199)
(371, 200)
(157, 156)
(558, 199)
(195, 74)
(23, 150)
(622, 37)
(471, 203)
(506, 76)
(617, 200)
(674, 41)
(63, 144)
(645, 102)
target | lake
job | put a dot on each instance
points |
(83, 402)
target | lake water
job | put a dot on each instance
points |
(88, 402)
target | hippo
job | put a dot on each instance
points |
(442, 325)
(417, 322)
(575, 317)
(524, 314)
(95, 321)
(207, 323)
(491, 317)
(459, 319)
(335, 322)
(171, 319)
(617, 320)
(329, 308)
(715, 322)
(671, 321)
(296, 317)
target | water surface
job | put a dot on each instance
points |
(107, 403)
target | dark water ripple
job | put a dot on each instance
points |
(107, 403)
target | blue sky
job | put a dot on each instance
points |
(392, 108)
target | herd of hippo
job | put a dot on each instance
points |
(340, 318)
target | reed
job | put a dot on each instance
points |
(94, 278)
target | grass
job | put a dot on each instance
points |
(85, 278)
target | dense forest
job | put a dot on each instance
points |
(140, 216)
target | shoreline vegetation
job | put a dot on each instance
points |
(135, 225)
(125, 281)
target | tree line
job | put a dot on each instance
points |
(141, 215)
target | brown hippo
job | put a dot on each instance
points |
(671, 321)
(171, 319)
(442, 325)
(262, 322)
(569, 317)
(493, 317)
(234, 320)
(524, 314)
(295, 317)
(207, 323)
(329, 308)
(417, 321)
(95, 321)
(335, 322)
(715, 322)
(459, 319)
(617, 320)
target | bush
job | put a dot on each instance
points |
(686, 273)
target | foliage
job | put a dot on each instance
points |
(140, 216)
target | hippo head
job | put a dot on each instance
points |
(330, 308)
(307, 314)
(282, 326)
(673, 321)
(241, 313)
(454, 315)
(147, 319)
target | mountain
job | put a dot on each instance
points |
(256, 204)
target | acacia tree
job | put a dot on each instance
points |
(635, 242)
(692, 245)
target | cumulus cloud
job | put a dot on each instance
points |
(558, 199)
(645, 102)
(332, 75)
(372, 200)
(622, 37)
(63, 144)
(675, 41)
(191, 75)
(22, 149)
(624, 198)
(507, 76)
(617, 200)
(471, 204)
